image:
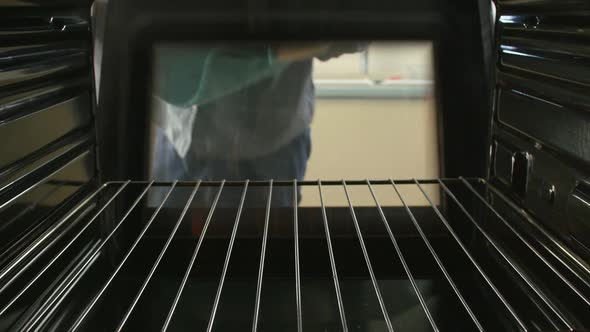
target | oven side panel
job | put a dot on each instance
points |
(540, 144)
(47, 157)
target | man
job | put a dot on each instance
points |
(245, 109)
(248, 124)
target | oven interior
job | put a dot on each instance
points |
(497, 241)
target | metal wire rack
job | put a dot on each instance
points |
(447, 255)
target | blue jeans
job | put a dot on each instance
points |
(287, 163)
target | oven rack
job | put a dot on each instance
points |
(548, 285)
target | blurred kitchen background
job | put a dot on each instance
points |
(375, 117)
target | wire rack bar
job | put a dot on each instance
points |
(332, 261)
(193, 258)
(531, 248)
(64, 289)
(403, 260)
(289, 183)
(56, 257)
(262, 260)
(69, 289)
(367, 260)
(227, 258)
(157, 262)
(76, 262)
(45, 179)
(13, 244)
(45, 236)
(542, 295)
(512, 263)
(472, 260)
(124, 217)
(556, 242)
(49, 309)
(118, 268)
(297, 270)
(437, 259)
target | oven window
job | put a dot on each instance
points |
(283, 111)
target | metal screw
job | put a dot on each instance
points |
(548, 193)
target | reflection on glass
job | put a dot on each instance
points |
(239, 111)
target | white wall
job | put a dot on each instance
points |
(403, 60)
(375, 138)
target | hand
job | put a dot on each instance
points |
(296, 52)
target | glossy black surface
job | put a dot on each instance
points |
(47, 157)
(541, 267)
(542, 107)
(45, 75)
(517, 109)
(460, 32)
(579, 213)
(44, 127)
(69, 286)
(30, 214)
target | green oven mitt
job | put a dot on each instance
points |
(193, 75)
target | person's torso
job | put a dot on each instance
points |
(256, 120)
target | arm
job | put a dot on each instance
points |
(323, 51)
(296, 52)
(197, 75)
(337, 49)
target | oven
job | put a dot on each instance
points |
(495, 238)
